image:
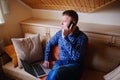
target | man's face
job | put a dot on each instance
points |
(65, 21)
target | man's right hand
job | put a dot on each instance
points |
(46, 64)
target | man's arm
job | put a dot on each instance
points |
(49, 46)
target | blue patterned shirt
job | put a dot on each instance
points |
(73, 47)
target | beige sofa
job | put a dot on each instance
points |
(101, 60)
(103, 55)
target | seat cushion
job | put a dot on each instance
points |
(17, 73)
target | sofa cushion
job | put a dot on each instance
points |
(11, 52)
(28, 49)
(104, 58)
(17, 73)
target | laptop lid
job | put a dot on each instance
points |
(28, 68)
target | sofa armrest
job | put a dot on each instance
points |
(113, 75)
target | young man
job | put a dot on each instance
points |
(73, 46)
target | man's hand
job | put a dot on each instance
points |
(65, 32)
(46, 64)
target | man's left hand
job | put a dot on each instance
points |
(65, 32)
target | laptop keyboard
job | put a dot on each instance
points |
(38, 69)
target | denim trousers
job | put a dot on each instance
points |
(65, 70)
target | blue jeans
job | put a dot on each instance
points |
(65, 70)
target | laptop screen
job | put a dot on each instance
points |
(38, 69)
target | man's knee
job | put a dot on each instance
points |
(53, 75)
(57, 64)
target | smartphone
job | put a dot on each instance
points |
(70, 25)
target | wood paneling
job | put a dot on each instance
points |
(78, 5)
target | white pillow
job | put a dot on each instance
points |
(28, 49)
(30, 34)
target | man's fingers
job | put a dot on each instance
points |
(65, 32)
(47, 65)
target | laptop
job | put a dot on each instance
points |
(35, 69)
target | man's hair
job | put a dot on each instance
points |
(72, 14)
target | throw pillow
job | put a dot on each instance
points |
(28, 49)
(11, 52)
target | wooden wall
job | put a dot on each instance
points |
(78, 5)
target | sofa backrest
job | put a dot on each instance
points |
(103, 57)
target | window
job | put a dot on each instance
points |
(3, 10)
(1, 17)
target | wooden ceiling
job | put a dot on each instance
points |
(78, 5)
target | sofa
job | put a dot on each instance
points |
(99, 61)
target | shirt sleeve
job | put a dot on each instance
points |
(77, 50)
(49, 46)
